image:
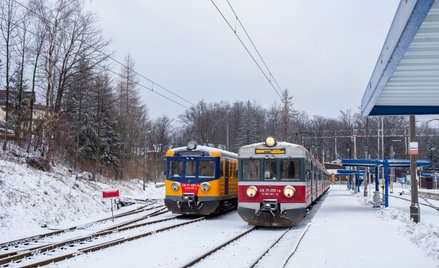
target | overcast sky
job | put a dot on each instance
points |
(323, 51)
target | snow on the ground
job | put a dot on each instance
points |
(350, 233)
(345, 231)
(31, 198)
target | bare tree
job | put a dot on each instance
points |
(7, 27)
(22, 104)
(71, 35)
(36, 51)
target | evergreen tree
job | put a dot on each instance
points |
(248, 128)
(433, 152)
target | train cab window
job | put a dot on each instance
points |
(290, 169)
(190, 168)
(251, 169)
(206, 169)
(175, 168)
(270, 169)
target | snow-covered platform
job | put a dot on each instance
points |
(347, 232)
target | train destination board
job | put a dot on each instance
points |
(270, 151)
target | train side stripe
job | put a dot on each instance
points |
(277, 183)
(256, 206)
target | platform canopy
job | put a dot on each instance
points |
(405, 80)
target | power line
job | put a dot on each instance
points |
(248, 51)
(151, 89)
(123, 65)
(111, 71)
(253, 44)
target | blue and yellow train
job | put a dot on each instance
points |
(201, 180)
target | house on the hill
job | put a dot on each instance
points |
(28, 96)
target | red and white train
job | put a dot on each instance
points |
(277, 183)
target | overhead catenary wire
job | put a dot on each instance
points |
(270, 74)
(254, 46)
(123, 65)
(113, 72)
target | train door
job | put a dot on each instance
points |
(226, 178)
(313, 182)
(308, 182)
(316, 182)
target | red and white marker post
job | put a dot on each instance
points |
(111, 194)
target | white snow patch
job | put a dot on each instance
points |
(423, 235)
(30, 198)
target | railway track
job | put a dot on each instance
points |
(233, 239)
(69, 248)
(18, 247)
(433, 196)
(27, 241)
(256, 261)
(428, 203)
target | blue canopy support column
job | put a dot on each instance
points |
(376, 194)
(377, 175)
(386, 182)
(386, 164)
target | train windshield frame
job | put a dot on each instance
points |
(175, 168)
(192, 167)
(206, 168)
(272, 169)
(251, 169)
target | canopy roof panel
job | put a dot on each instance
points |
(406, 77)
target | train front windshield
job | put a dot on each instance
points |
(271, 169)
(191, 168)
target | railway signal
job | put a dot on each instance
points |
(111, 194)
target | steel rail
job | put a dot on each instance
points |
(107, 244)
(269, 248)
(27, 240)
(296, 246)
(424, 204)
(25, 253)
(218, 248)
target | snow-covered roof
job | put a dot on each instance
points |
(205, 149)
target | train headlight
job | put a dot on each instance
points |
(191, 145)
(175, 186)
(205, 187)
(251, 191)
(270, 141)
(289, 191)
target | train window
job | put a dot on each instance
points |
(290, 169)
(236, 170)
(251, 169)
(270, 169)
(175, 168)
(206, 168)
(190, 168)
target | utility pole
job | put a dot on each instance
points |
(415, 214)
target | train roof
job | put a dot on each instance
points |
(202, 148)
(291, 150)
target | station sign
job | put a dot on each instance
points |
(270, 151)
(110, 193)
(426, 173)
(413, 148)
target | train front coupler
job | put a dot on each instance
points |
(191, 201)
